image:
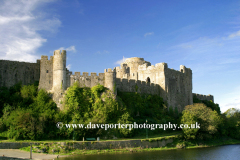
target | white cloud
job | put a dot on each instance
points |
(20, 22)
(69, 49)
(234, 34)
(148, 34)
(5, 20)
(120, 61)
(69, 66)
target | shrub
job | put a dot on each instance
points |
(206, 117)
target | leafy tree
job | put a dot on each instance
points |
(77, 100)
(232, 123)
(31, 115)
(126, 119)
(210, 104)
(209, 121)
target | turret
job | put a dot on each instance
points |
(59, 70)
(110, 78)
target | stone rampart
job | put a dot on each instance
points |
(86, 80)
(46, 73)
(12, 72)
(204, 97)
(178, 87)
(131, 85)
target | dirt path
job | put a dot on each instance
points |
(16, 153)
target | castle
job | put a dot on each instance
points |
(134, 75)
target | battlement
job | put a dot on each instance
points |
(44, 57)
(87, 81)
(135, 60)
(18, 62)
(158, 66)
(58, 52)
(132, 85)
(133, 81)
(184, 69)
(109, 70)
(93, 74)
(85, 74)
(133, 75)
(204, 97)
(77, 74)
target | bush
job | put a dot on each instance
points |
(181, 145)
(232, 123)
(126, 119)
(209, 121)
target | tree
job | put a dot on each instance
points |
(208, 119)
(126, 119)
(232, 123)
(210, 104)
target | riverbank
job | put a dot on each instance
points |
(174, 144)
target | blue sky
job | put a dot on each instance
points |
(202, 35)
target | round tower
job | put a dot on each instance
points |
(59, 70)
(110, 78)
(133, 63)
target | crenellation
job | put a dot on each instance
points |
(85, 74)
(63, 53)
(109, 70)
(93, 74)
(133, 75)
(44, 57)
(117, 68)
(57, 52)
(132, 82)
(204, 97)
(77, 74)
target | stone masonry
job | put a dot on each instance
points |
(134, 75)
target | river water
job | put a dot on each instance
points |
(228, 152)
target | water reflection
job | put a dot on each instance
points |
(229, 152)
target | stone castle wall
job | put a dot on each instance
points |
(12, 72)
(204, 97)
(175, 87)
(54, 76)
(131, 85)
(178, 87)
(134, 75)
(86, 80)
(46, 73)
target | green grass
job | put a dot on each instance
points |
(138, 137)
(151, 136)
(170, 146)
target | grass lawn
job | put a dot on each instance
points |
(137, 137)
